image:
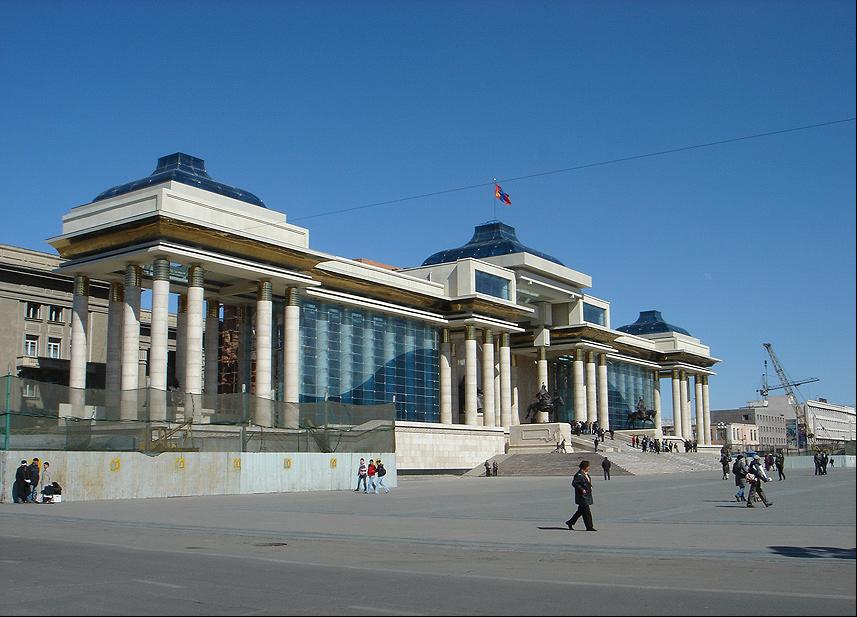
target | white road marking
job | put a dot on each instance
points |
(158, 583)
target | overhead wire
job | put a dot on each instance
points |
(623, 159)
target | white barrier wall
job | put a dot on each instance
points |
(806, 462)
(130, 475)
(432, 446)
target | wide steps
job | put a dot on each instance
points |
(550, 464)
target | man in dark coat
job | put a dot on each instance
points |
(34, 480)
(22, 487)
(606, 464)
(582, 486)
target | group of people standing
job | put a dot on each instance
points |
(371, 476)
(34, 479)
(822, 461)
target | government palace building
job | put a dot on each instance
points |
(241, 303)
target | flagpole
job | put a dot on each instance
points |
(495, 199)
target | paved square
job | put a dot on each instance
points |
(669, 544)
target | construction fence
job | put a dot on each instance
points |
(44, 416)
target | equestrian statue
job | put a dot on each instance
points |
(641, 415)
(544, 402)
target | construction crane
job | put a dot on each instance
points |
(791, 394)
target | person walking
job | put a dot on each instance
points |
(756, 476)
(724, 463)
(739, 470)
(582, 485)
(780, 463)
(487, 469)
(606, 464)
(380, 471)
(361, 475)
(371, 471)
(495, 468)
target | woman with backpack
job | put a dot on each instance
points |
(380, 471)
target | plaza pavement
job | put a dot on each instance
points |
(673, 544)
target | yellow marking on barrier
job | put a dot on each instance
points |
(287, 463)
(333, 463)
(180, 462)
(115, 464)
(236, 464)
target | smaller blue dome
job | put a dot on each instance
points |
(188, 170)
(489, 240)
(651, 322)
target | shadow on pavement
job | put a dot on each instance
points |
(560, 528)
(815, 552)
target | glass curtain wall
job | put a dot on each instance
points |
(560, 374)
(626, 384)
(365, 358)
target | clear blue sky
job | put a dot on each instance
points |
(321, 106)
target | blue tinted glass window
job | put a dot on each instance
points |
(366, 358)
(594, 314)
(627, 384)
(492, 285)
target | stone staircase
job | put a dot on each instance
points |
(640, 463)
(551, 464)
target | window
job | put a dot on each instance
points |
(594, 314)
(492, 285)
(30, 390)
(34, 310)
(55, 314)
(54, 348)
(31, 345)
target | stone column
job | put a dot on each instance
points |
(159, 350)
(455, 381)
(687, 430)
(676, 383)
(181, 340)
(706, 410)
(603, 393)
(245, 348)
(291, 362)
(542, 366)
(579, 387)
(497, 394)
(212, 346)
(113, 383)
(487, 378)
(130, 343)
(591, 398)
(79, 332)
(264, 301)
(160, 324)
(505, 380)
(657, 396)
(516, 414)
(445, 376)
(700, 415)
(193, 349)
(470, 410)
(131, 329)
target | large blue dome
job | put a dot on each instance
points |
(489, 240)
(188, 170)
(651, 322)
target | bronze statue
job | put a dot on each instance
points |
(544, 402)
(641, 415)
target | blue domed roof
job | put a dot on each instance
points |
(489, 240)
(188, 170)
(651, 322)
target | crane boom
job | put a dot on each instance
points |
(787, 384)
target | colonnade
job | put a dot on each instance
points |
(197, 321)
(684, 422)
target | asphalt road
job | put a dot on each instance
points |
(672, 544)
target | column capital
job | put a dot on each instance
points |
(264, 291)
(470, 333)
(602, 359)
(195, 276)
(117, 292)
(133, 275)
(293, 296)
(676, 374)
(161, 269)
(505, 339)
(487, 337)
(212, 308)
(81, 285)
(444, 335)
